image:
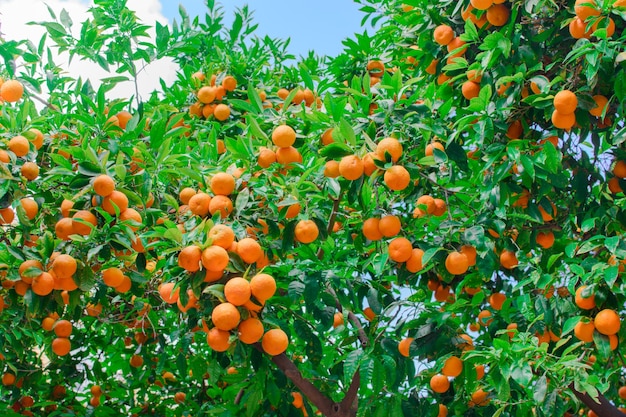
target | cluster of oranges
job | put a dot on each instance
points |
(202, 204)
(589, 18)
(283, 137)
(607, 322)
(210, 97)
(61, 345)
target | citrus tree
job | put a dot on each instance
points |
(430, 223)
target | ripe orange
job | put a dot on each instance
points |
(431, 146)
(479, 398)
(371, 229)
(287, 156)
(63, 328)
(498, 14)
(563, 121)
(221, 204)
(221, 112)
(457, 45)
(229, 83)
(601, 103)
(404, 346)
(11, 91)
(619, 170)
(43, 284)
(30, 206)
(30, 263)
(508, 259)
(48, 323)
(439, 383)
(66, 206)
(8, 379)
(222, 183)
(585, 9)
(206, 94)
(414, 263)
(306, 231)
(485, 318)
(545, 239)
(180, 397)
(327, 137)
(621, 392)
(30, 170)
(222, 235)
(249, 250)
(389, 226)
(64, 228)
(515, 130)
(83, 222)
(225, 316)
(250, 330)
(292, 210)
(167, 292)
(112, 277)
(607, 322)
(275, 342)
(136, 361)
(7, 215)
(61, 346)
(266, 157)
(496, 300)
(115, 199)
(400, 249)
(391, 146)
(199, 204)
(453, 367)
(132, 217)
(456, 263)
(337, 319)
(185, 194)
(397, 178)
(262, 287)
(64, 266)
(586, 303)
(443, 34)
(584, 330)
(103, 185)
(470, 89)
(565, 102)
(19, 145)
(351, 167)
(375, 67)
(237, 291)
(215, 258)
(470, 252)
(218, 339)
(283, 136)
(577, 28)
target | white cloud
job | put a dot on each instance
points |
(15, 14)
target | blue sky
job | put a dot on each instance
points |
(318, 25)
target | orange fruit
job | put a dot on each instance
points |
(508, 259)
(199, 204)
(397, 178)
(621, 392)
(545, 239)
(275, 342)
(30, 206)
(229, 83)
(431, 146)
(563, 121)
(470, 89)
(565, 102)
(11, 91)
(337, 319)
(61, 346)
(237, 291)
(103, 185)
(496, 300)
(371, 229)
(30, 170)
(457, 45)
(292, 210)
(4, 156)
(222, 183)
(456, 263)
(369, 314)
(327, 137)
(586, 303)
(414, 263)
(115, 199)
(439, 383)
(112, 277)
(8, 379)
(619, 170)
(180, 397)
(548, 216)
(250, 330)
(167, 292)
(391, 146)
(453, 367)
(218, 339)
(331, 169)
(221, 204)
(215, 258)
(601, 103)
(64, 228)
(30, 263)
(266, 157)
(262, 287)
(63, 328)
(221, 112)
(515, 130)
(351, 167)
(225, 316)
(607, 322)
(284, 136)
(400, 249)
(185, 194)
(222, 235)
(19, 145)
(66, 206)
(498, 15)
(404, 346)
(613, 185)
(83, 222)
(375, 67)
(432, 67)
(206, 94)
(577, 28)
(43, 284)
(443, 34)
(136, 361)
(481, 4)
(306, 231)
(249, 250)
(470, 252)
(287, 156)
(133, 218)
(389, 226)
(64, 266)
(479, 398)
(585, 9)
(7, 215)
(584, 330)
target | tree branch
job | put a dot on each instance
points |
(349, 401)
(603, 408)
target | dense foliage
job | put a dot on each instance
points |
(430, 223)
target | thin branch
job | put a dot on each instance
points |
(349, 401)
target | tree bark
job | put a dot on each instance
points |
(603, 407)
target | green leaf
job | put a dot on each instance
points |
(347, 132)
